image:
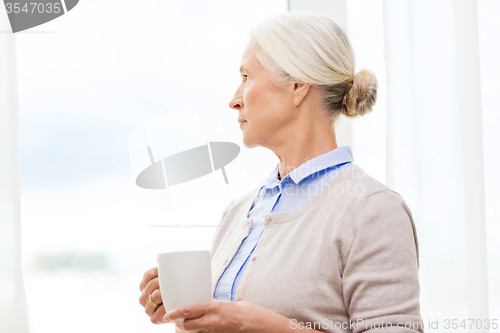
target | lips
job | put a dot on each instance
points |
(241, 121)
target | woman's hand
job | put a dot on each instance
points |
(213, 316)
(150, 286)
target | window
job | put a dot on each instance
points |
(86, 82)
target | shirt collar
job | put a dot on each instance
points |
(333, 158)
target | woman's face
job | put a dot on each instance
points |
(265, 109)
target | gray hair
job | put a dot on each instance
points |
(313, 49)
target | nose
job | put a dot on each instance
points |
(236, 102)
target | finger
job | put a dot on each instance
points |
(150, 309)
(148, 290)
(181, 329)
(148, 276)
(156, 296)
(157, 316)
(188, 311)
(206, 323)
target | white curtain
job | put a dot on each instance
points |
(435, 152)
(13, 313)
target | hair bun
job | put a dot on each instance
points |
(361, 96)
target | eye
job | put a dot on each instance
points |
(245, 78)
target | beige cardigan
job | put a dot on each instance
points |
(345, 261)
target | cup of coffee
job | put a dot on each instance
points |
(185, 278)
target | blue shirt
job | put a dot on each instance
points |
(277, 195)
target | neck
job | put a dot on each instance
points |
(303, 146)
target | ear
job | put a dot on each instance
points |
(300, 91)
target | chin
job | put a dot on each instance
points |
(249, 143)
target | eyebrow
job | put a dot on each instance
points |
(242, 69)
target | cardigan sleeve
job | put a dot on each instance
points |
(380, 277)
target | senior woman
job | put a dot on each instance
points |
(320, 245)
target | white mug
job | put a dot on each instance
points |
(185, 278)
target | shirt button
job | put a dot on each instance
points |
(238, 299)
(225, 262)
(268, 219)
(254, 257)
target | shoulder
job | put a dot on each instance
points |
(366, 184)
(362, 193)
(354, 186)
(350, 188)
(380, 213)
(370, 192)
